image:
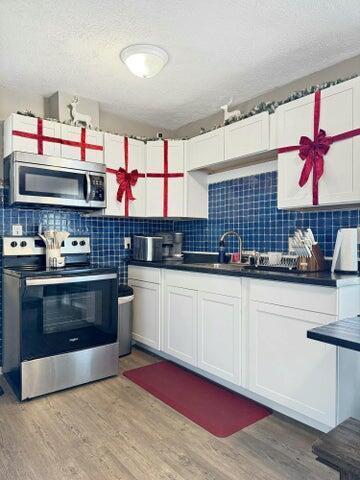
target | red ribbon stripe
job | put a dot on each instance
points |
(41, 138)
(125, 179)
(37, 136)
(165, 175)
(82, 144)
(312, 152)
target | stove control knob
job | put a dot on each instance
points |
(13, 244)
(82, 243)
(74, 243)
(23, 244)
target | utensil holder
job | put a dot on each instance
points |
(314, 263)
(54, 258)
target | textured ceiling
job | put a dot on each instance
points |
(217, 49)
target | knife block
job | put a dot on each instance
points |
(314, 263)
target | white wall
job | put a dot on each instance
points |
(14, 100)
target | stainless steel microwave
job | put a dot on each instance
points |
(45, 180)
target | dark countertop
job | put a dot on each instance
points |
(343, 333)
(325, 279)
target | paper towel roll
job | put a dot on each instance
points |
(345, 254)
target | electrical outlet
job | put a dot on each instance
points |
(17, 230)
(127, 243)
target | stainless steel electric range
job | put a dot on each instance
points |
(59, 325)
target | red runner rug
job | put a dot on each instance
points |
(216, 409)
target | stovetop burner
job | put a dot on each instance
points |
(42, 268)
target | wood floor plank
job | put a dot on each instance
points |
(114, 430)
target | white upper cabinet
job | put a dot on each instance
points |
(339, 109)
(273, 132)
(247, 137)
(115, 158)
(165, 179)
(205, 150)
(31, 135)
(80, 143)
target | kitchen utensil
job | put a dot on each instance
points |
(60, 237)
(303, 244)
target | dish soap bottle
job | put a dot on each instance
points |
(222, 254)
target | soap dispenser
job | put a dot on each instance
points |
(222, 254)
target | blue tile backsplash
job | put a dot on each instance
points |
(247, 205)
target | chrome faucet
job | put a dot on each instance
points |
(232, 232)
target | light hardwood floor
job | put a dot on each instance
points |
(113, 429)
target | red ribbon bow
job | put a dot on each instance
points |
(312, 152)
(126, 181)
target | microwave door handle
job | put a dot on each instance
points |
(88, 187)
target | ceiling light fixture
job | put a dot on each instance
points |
(144, 61)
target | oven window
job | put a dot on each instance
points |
(51, 183)
(62, 318)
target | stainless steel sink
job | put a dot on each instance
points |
(218, 266)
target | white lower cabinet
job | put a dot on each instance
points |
(146, 316)
(252, 334)
(288, 368)
(219, 335)
(180, 312)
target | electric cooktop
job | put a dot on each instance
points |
(23, 271)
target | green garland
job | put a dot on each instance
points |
(259, 108)
(272, 106)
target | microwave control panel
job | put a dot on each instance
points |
(97, 188)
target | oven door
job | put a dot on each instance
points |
(63, 314)
(49, 185)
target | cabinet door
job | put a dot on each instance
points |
(180, 330)
(78, 144)
(146, 319)
(339, 112)
(114, 159)
(31, 135)
(219, 335)
(205, 150)
(247, 137)
(288, 368)
(165, 180)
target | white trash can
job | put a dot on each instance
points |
(125, 318)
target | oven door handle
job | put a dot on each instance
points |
(44, 281)
(88, 187)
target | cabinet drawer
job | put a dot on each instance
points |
(294, 295)
(222, 285)
(147, 274)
